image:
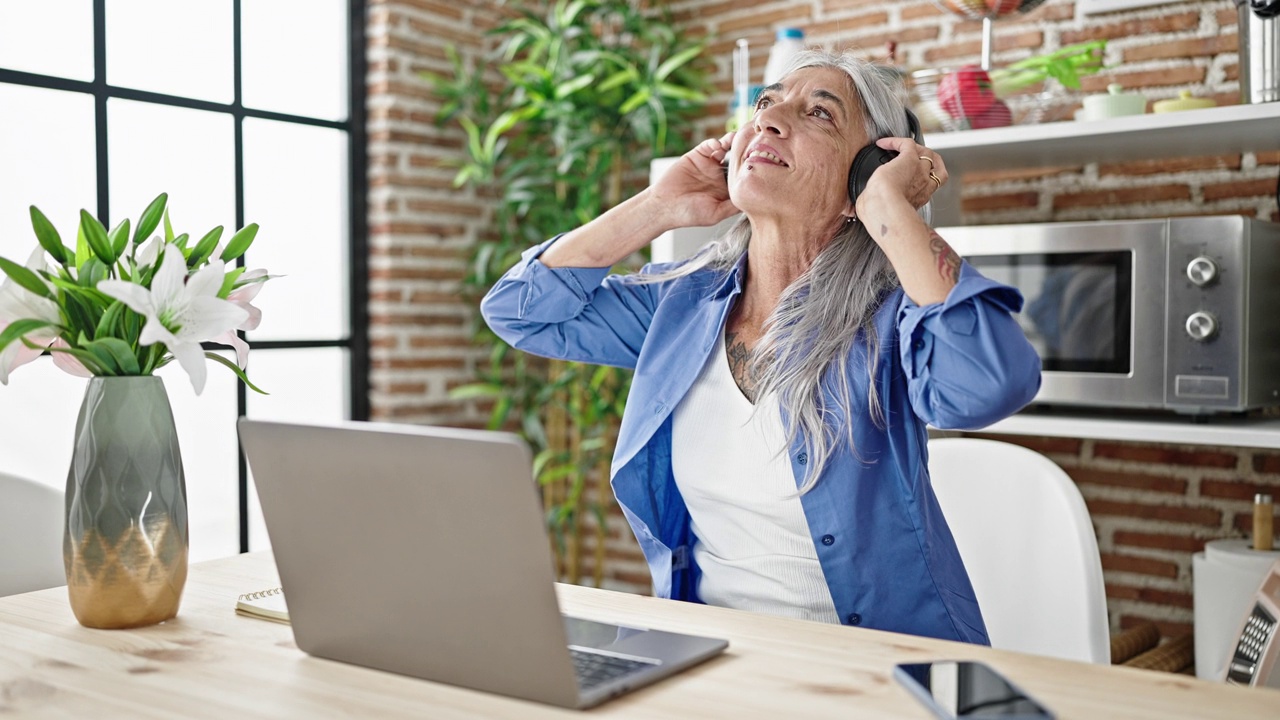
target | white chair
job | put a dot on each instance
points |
(31, 519)
(1026, 539)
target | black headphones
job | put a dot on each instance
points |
(873, 156)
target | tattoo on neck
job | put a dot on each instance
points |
(947, 260)
(740, 365)
(884, 230)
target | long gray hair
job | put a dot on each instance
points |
(812, 332)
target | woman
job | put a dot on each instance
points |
(772, 454)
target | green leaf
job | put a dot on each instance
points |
(83, 253)
(100, 353)
(150, 218)
(236, 369)
(20, 328)
(617, 79)
(119, 239)
(641, 97)
(86, 358)
(229, 281)
(96, 235)
(476, 390)
(205, 247)
(25, 278)
(565, 89)
(240, 242)
(92, 272)
(107, 323)
(168, 227)
(674, 62)
(180, 242)
(80, 314)
(49, 238)
(119, 351)
(680, 92)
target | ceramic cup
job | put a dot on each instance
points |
(1115, 103)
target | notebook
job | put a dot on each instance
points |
(422, 551)
(264, 604)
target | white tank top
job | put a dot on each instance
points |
(731, 465)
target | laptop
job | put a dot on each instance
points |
(421, 551)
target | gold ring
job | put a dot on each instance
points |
(934, 177)
(928, 160)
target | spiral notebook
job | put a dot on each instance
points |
(265, 605)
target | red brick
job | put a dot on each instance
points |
(1138, 481)
(793, 16)
(1238, 490)
(415, 320)
(1150, 595)
(1133, 28)
(1185, 75)
(1184, 48)
(1155, 454)
(1034, 173)
(1171, 165)
(1003, 201)
(409, 273)
(1139, 565)
(1121, 196)
(1243, 188)
(1268, 157)
(1042, 445)
(1158, 541)
(1143, 511)
(1264, 463)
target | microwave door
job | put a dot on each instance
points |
(1094, 304)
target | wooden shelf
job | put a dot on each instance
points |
(1232, 432)
(1212, 131)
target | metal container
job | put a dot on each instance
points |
(1259, 28)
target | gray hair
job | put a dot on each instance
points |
(810, 336)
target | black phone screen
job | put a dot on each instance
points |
(963, 690)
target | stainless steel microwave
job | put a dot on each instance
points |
(1179, 314)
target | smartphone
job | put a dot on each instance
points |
(965, 690)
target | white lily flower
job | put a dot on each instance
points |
(181, 314)
(243, 296)
(149, 252)
(18, 303)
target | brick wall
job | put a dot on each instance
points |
(1153, 505)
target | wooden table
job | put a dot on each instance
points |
(211, 663)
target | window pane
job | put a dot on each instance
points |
(39, 424)
(50, 37)
(47, 160)
(306, 385)
(176, 48)
(295, 188)
(189, 154)
(207, 436)
(293, 65)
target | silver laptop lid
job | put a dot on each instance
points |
(417, 550)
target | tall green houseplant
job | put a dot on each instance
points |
(572, 103)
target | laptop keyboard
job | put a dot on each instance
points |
(595, 668)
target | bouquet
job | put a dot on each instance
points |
(121, 305)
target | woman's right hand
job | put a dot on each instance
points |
(694, 191)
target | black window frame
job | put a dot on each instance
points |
(357, 340)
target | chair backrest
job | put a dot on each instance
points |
(1024, 533)
(31, 520)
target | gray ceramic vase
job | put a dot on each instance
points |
(125, 545)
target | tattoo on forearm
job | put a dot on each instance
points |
(741, 366)
(947, 260)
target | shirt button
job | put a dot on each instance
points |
(919, 344)
(855, 619)
(828, 540)
(802, 458)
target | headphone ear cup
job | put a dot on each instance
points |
(864, 164)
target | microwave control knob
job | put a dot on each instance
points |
(1202, 326)
(1202, 271)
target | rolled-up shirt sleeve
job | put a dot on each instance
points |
(581, 314)
(968, 363)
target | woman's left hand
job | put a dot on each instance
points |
(916, 174)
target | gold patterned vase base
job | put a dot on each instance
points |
(135, 581)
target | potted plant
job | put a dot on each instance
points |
(589, 91)
(116, 309)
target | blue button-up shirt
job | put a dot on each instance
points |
(886, 552)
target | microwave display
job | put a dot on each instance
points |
(1077, 312)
